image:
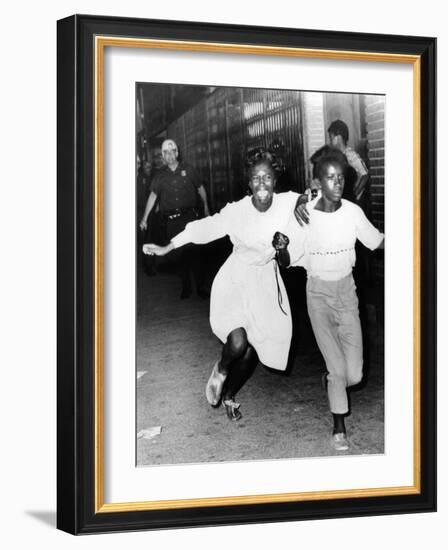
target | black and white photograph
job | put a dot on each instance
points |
(259, 242)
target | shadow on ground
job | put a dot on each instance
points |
(48, 517)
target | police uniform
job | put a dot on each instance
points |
(177, 195)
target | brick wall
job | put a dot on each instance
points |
(374, 106)
(374, 111)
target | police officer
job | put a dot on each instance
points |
(176, 188)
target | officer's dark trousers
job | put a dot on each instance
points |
(187, 257)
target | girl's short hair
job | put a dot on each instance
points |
(331, 158)
(327, 151)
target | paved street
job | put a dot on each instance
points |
(284, 415)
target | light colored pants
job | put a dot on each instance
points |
(334, 315)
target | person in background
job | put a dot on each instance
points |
(175, 189)
(338, 135)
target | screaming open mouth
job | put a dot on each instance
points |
(262, 195)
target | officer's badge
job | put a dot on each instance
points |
(183, 173)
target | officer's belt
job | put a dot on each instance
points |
(177, 212)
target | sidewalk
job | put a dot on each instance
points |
(284, 415)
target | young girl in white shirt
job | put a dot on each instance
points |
(329, 256)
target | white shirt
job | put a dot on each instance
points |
(329, 247)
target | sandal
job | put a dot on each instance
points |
(214, 386)
(232, 409)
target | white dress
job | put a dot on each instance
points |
(248, 291)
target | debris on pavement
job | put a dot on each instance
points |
(149, 433)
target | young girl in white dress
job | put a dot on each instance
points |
(249, 308)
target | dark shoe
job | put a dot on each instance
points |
(214, 386)
(204, 294)
(186, 293)
(232, 409)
